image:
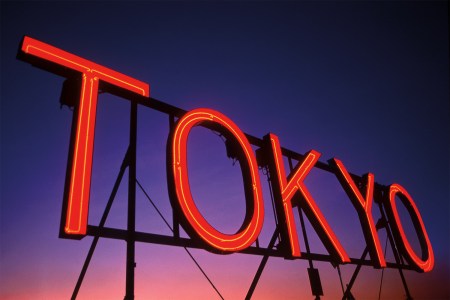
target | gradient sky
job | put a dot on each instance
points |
(367, 83)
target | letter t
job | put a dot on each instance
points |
(92, 75)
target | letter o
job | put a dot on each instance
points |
(180, 191)
(426, 262)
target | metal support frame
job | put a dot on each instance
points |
(262, 265)
(314, 279)
(101, 225)
(129, 162)
(131, 222)
(313, 273)
(397, 256)
(131, 236)
(347, 294)
(175, 220)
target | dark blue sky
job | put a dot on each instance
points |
(366, 82)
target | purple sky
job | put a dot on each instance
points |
(367, 83)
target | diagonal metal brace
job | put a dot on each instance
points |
(262, 265)
(123, 167)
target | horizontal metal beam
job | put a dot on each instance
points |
(122, 234)
(169, 109)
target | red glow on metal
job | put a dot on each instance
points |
(286, 190)
(92, 73)
(363, 207)
(252, 226)
(426, 262)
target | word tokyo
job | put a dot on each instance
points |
(289, 190)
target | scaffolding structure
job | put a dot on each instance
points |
(131, 236)
(70, 96)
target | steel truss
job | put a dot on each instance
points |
(131, 236)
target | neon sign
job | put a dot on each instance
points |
(285, 193)
(363, 206)
(289, 189)
(93, 75)
(182, 198)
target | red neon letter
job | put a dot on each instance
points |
(284, 192)
(363, 207)
(182, 197)
(426, 263)
(62, 62)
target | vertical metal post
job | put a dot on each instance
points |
(395, 250)
(314, 278)
(175, 220)
(100, 225)
(130, 265)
